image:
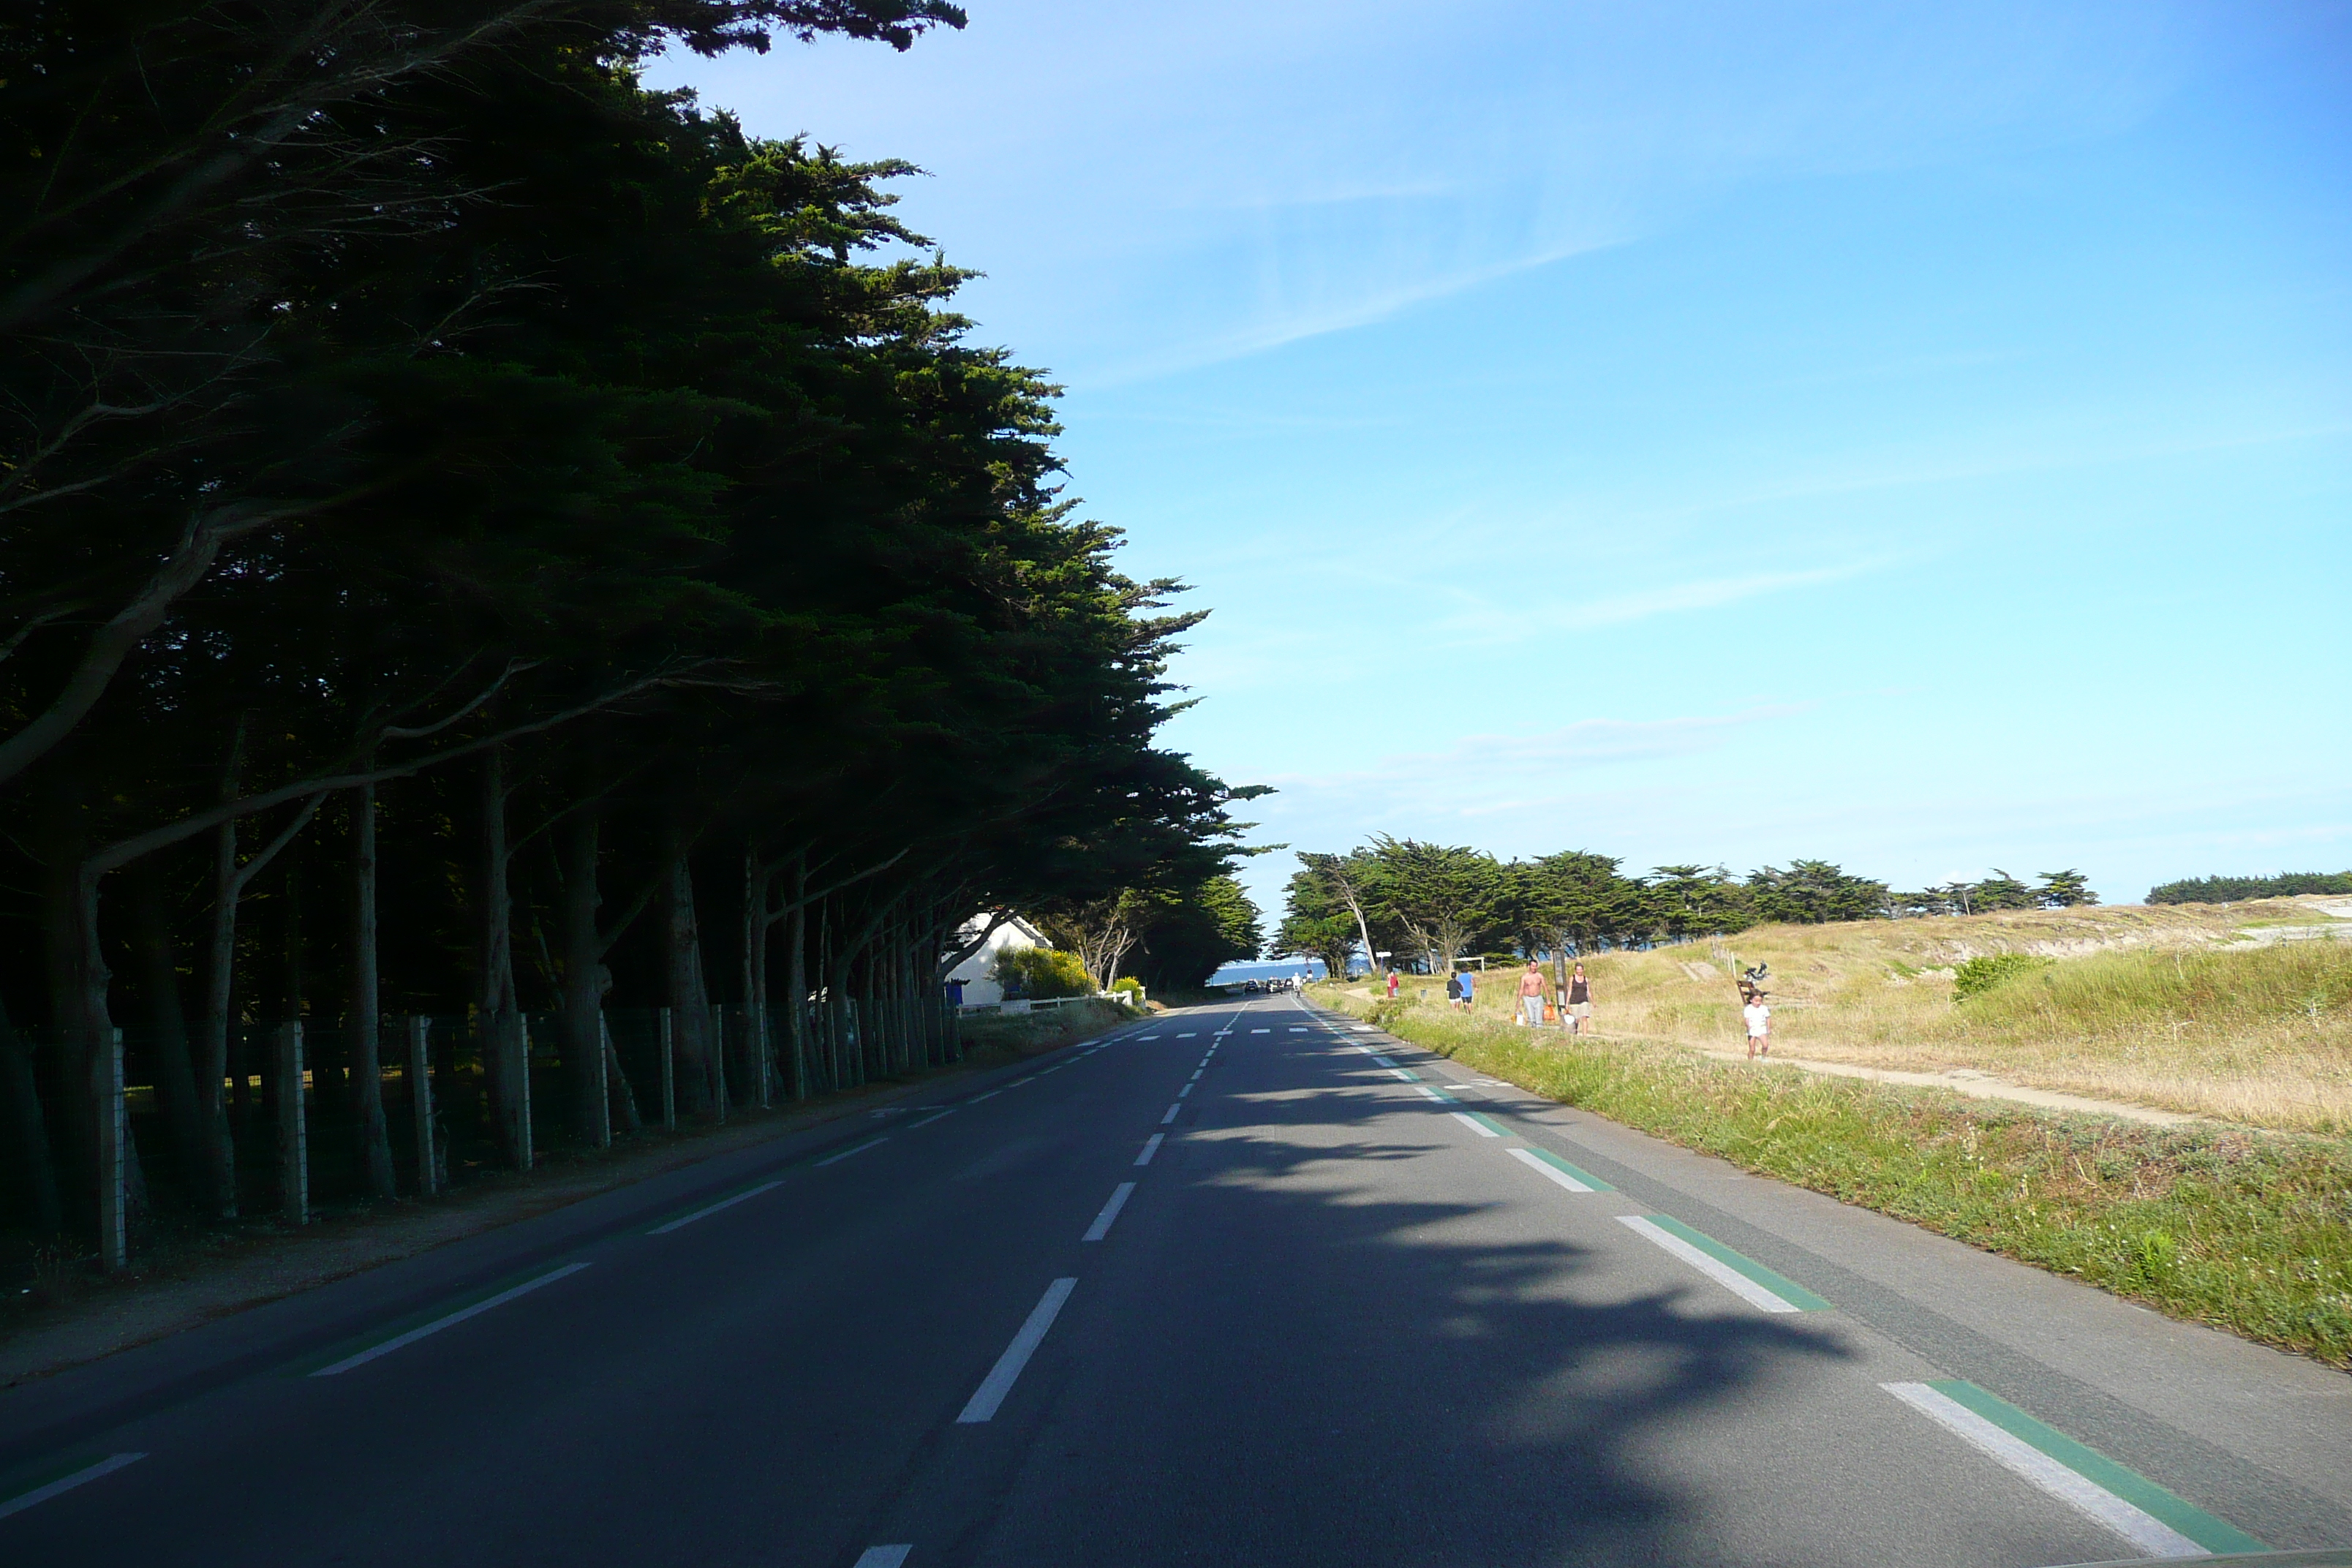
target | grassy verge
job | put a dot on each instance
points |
(992, 1038)
(2245, 1232)
(2191, 1009)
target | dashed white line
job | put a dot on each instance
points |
(999, 1382)
(976, 1099)
(105, 1467)
(1151, 1147)
(1102, 1226)
(927, 1121)
(1483, 1131)
(1549, 1172)
(1722, 1273)
(1183, 1091)
(1171, 1114)
(859, 1149)
(1261, 1031)
(2150, 1534)
(746, 1195)
(884, 1557)
(401, 1342)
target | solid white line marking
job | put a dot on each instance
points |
(999, 1382)
(927, 1121)
(1151, 1147)
(1722, 1273)
(859, 1149)
(976, 1099)
(105, 1467)
(742, 1197)
(2151, 1535)
(883, 1557)
(437, 1324)
(1529, 1157)
(1102, 1226)
(1483, 1130)
(1171, 1114)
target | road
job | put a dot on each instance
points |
(1242, 1284)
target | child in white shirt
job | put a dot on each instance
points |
(1759, 1027)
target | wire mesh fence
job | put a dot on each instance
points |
(105, 1146)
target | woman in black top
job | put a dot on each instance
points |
(1580, 1000)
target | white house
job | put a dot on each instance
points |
(977, 973)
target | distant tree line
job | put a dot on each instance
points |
(2232, 890)
(479, 536)
(1435, 903)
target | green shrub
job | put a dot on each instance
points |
(1976, 976)
(1128, 987)
(1041, 972)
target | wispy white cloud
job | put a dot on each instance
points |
(1555, 612)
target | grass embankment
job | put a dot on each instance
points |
(2248, 1232)
(992, 1038)
(2192, 1008)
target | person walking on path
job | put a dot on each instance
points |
(1580, 1001)
(1453, 991)
(1760, 1027)
(1469, 992)
(1393, 985)
(1533, 994)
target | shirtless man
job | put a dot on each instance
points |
(1533, 994)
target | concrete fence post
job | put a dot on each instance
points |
(600, 1130)
(762, 1056)
(113, 1166)
(293, 1126)
(420, 1102)
(714, 1040)
(669, 1070)
(521, 1035)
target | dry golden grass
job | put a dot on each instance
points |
(2195, 1008)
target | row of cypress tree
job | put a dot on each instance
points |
(480, 536)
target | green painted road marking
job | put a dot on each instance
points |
(1779, 1285)
(1493, 1126)
(1557, 1164)
(61, 1478)
(2135, 1488)
(405, 1331)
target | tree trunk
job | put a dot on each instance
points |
(584, 956)
(690, 1000)
(212, 1040)
(796, 979)
(28, 1128)
(367, 1001)
(495, 956)
(167, 1025)
(69, 990)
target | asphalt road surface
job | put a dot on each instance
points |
(1244, 1285)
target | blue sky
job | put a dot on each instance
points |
(1919, 437)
